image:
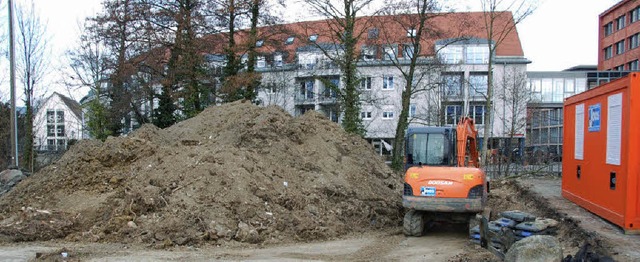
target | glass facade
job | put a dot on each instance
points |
(544, 112)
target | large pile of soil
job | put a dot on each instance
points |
(234, 172)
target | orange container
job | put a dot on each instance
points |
(601, 151)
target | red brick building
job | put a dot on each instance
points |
(619, 37)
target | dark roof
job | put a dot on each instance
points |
(582, 68)
(73, 105)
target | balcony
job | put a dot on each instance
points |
(327, 99)
(305, 99)
(318, 64)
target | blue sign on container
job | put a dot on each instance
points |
(594, 118)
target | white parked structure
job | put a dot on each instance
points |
(58, 120)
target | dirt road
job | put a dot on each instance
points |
(442, 244)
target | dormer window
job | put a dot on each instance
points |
(259, 43)
(289, 40)
(373, 33)
(262, 62)
(411, 33)
(277, 59)
(313, 37)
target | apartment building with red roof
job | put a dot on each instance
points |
(295, 62)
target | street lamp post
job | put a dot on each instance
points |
(14, 117)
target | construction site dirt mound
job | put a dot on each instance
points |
(235, 172)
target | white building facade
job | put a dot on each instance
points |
(450, 79)
(58, 120)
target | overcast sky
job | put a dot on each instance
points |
(558, 35)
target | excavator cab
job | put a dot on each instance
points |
(431, 146)
(443, 181)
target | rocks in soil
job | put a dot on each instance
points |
(9, 178)
(235, 172)
(539, 248)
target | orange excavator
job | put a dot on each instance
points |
(443, 181)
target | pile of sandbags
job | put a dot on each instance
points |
(513, 226)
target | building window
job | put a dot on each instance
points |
(61, 144)
(411, 32)
(259, 43)
(60, 130)
(477, 54)
(369, 53)
(304, 110)
(634, 15)
(389, 52)
(51, 117)
(451, 54)
(412, 110)
(608, 29)
(633, 65)
(620, 22)
(407, 51)
(569, 86)
(51, 130)
(608, 52)
(620, 47)
(60, 117)
(373, 33)
(387, 115)
(261, 63)
(453, 114)
(366, 115)
(289, 40)
(306, 89)
(51, 144)
(478, 84)
(269, 88)
(333, 115)
(55, 123)
(619, 68)
(330, 91)
(313, 37)
(634, 41)
(277, 60)
(477, 113)
(365, 83)
(387, 82)
(452, 84)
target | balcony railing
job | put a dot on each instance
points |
(327, 99)
(304, 99)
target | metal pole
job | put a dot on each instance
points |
(14, 117)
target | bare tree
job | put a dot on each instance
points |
(498, 28)
(412, 17)
(240, 79)
(119, 28)
(340, 26)
(32, 66)
(89, 70)
(515, 96)
(177, 25)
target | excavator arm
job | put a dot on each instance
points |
(467, 135)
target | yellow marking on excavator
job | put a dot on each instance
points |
(468, 176)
